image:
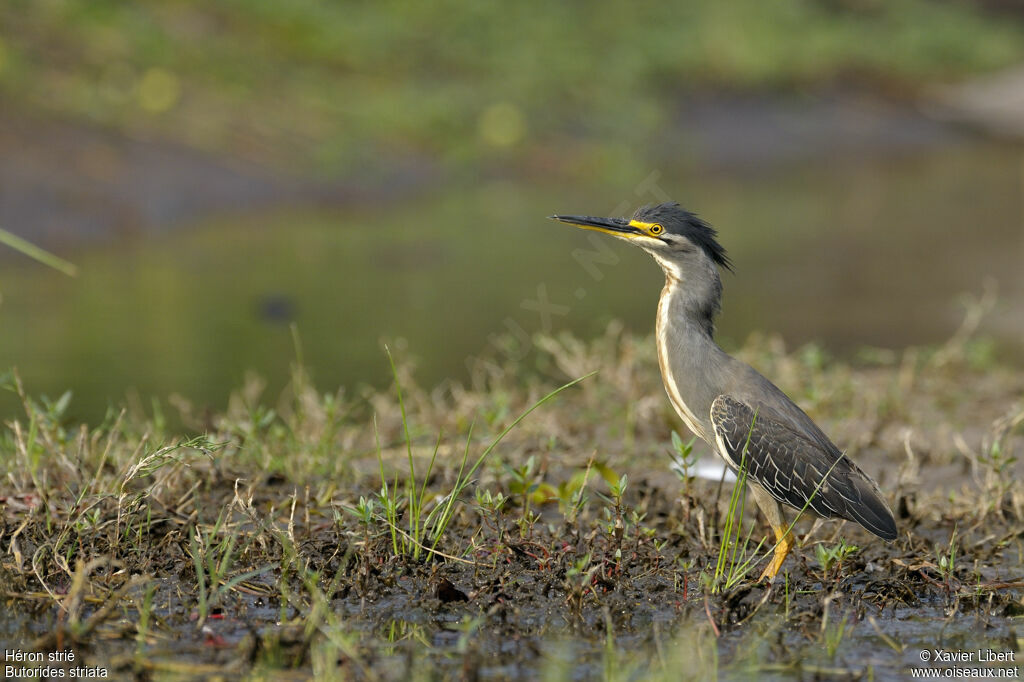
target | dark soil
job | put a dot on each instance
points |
(112, 556)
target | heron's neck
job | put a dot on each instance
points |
(693, 298)
(688, 356)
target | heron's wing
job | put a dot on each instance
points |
(797, 471)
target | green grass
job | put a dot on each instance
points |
(165, 553)
(338, 86)
(729, 570)
(32, 251)
(426, 528)
(213, 555)
(735, 558)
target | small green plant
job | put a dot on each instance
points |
(578, 581)
(489, 505)
(524, 480)
(684, 460)
(946, 558)
(832, 557)
(1000, 464)
(489, 502)
(526, 484)
(364, 514)
(363, 511)
(572, 494)
(614, 524)
(640, 531)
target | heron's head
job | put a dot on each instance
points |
(681, 242)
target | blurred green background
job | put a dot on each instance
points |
(374, 171)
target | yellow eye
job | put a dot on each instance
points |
(657, 229)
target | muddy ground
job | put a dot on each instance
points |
(267, 548)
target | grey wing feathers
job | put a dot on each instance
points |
(791, 467)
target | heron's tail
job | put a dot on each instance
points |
(867, 507)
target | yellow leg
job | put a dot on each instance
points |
(784, 542)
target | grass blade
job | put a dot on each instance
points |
(32, 251)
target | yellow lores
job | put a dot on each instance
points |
(642, 229)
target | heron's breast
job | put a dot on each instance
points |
(670, 375)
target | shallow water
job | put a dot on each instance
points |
(858, 250)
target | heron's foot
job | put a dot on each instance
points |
(784, 543)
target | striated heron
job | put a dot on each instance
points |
(788, 459)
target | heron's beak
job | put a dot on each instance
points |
(617, 227)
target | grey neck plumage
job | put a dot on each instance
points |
(695, 370)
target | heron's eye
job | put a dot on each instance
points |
(657, 229)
